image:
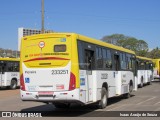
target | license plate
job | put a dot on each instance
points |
(45, 93)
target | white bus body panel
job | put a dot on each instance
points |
(91, 84)
(123, 79)
(135, 83)
(56, 96)
(36, 81)
(155, 75)
(149, 76)
(7, 77)
(141, 75)
(42, 79)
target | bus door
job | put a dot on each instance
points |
(89, 60)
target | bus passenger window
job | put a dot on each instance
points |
(109, 60)
(99, 57)
(81, 55)
(129, 62)
(10, 66)
(16, 67)
(2, 66)
(89, 59)
(123, 61)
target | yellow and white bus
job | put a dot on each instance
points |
(62, 68)
(156, 72)
(9, 72)
(144, 70)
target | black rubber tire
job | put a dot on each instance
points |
(141, 84)
(13, 84)
(150, 82)
(104, 98)
(128, 95)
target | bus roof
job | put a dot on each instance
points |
(144, 58)
(98, 42)
(10, 59)
(83, 38)
(157, 59)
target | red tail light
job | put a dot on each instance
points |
(22, 87)
(72, 84)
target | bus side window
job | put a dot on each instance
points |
(10, 66)
(123, 60)
(129, 62)
(2, 66)
(99, 58)
(81, 55)
(16, 67)
(154, 65)
(107, 60)
(150, 66)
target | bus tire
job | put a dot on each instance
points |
(13, 84)
(104, 98)
(141, 84)
(128, 95)
(150, 82)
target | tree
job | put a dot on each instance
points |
(142, 45)
(130, 43)
(142, 48)
(113, 39)
(155, 53)
(139, 46)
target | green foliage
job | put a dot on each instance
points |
(139, 46)
(155, 53)
(113, 38)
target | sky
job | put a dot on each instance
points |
(92, 18)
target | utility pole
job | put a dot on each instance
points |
(42, 12)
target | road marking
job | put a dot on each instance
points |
(116, 107)
(145, 100)
(110, 106)
(143, 96)
(157, 103)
